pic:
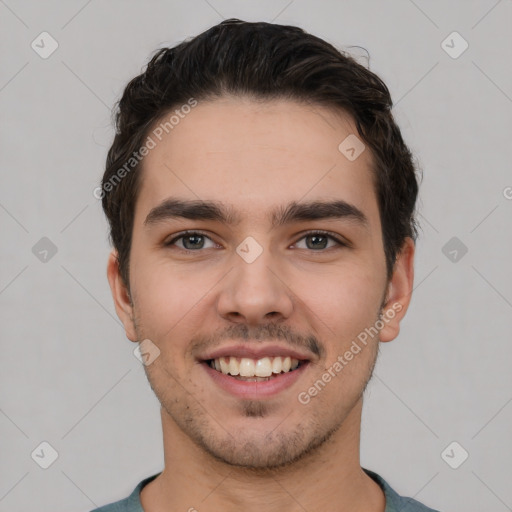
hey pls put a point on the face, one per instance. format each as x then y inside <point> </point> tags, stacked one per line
<point>282,263</point>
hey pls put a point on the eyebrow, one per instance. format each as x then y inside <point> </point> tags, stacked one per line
<point>197,209</point>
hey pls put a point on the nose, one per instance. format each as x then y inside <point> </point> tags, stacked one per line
<point>254,293</point>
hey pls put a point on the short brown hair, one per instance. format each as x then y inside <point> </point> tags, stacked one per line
<point>263,61</point>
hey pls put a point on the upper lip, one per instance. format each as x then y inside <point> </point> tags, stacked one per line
<point>255,352</point>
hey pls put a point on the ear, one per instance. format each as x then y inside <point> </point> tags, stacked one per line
<point>399,292</point>
<point>121,296</point>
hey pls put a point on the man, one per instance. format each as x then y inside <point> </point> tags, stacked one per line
<point>261,205</point>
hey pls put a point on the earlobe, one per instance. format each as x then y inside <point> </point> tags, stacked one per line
<point>121,296</point>
<point>399,292</point>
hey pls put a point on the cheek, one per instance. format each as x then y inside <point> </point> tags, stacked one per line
<point>170,300</point>
<point>345,310</point>
<point>343,301</point>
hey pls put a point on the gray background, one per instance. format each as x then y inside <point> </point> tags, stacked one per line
<point>68,374</point>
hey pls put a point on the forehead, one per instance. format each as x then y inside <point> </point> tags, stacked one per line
<point>251,154</point>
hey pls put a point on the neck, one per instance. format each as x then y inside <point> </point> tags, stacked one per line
<point>192,479</point>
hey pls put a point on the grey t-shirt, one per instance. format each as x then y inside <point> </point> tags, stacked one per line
<point>394,502</point>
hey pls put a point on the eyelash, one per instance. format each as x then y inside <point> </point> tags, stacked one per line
<point>327,234</point>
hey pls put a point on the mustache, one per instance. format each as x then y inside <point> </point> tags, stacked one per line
<point>267,332</point>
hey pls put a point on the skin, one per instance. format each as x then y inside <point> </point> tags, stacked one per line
<point>227,453</point>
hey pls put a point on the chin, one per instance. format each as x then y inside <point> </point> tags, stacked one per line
<point>254,450</point>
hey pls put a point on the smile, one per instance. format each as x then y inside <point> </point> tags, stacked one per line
<point>254,370</point>
<point>247,385</point>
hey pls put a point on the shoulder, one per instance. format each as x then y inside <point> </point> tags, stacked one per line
<point>395,502</point>
<point>126,505</point>
<point>118,506</point>
<point>129,504</point>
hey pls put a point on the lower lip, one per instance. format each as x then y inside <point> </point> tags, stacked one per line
<point>255,390</point>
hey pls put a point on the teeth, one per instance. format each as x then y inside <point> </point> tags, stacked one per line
<point>234,368</point>
<point>246,367</point>
<point>263,367</point>
<point>224,365</point>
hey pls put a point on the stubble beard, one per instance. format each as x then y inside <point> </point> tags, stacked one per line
<point>276,450</point>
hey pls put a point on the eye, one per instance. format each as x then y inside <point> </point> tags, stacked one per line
<point>318,240</point>
<point>191,241</point>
